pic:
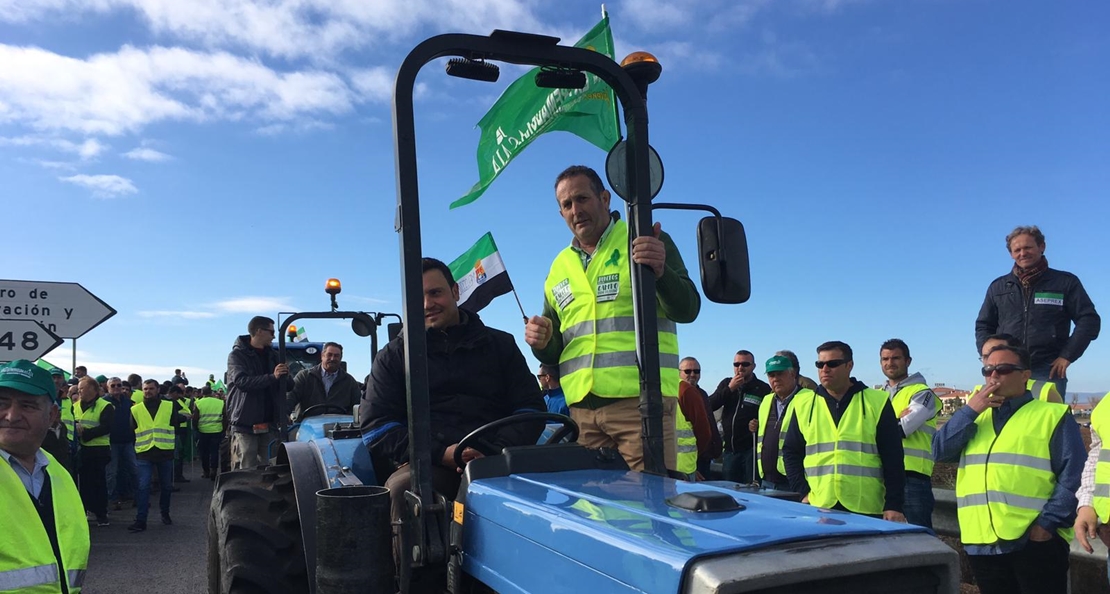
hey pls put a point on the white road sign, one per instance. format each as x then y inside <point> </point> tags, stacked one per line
<point>25,339</point>
<point>66,309</point>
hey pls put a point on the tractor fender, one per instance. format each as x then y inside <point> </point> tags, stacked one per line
<point>309,476</point>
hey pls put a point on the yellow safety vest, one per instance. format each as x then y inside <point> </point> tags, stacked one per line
<point>186,410</point>
<point>1100,424</point>
<point>784,422</point>
<point>1040,388</point>
<point>90,418</point>
<point>136,396</point>
<point>687,447</point>
<point>1004,480</point>
<point>842,461</point>
<point>211,415</point>
<point>156,432</point>
<point>598,324</point>
<point>68,419</point>
<point>27,561</point>
<point>918,445</point>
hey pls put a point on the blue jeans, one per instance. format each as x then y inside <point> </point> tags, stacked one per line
<point>1040,372</point>
<point>165,483</point>
<point>918,507</point>
<point>123,472</point>
<point>739,467</point>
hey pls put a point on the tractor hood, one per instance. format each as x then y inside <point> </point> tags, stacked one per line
<point>618,528</point>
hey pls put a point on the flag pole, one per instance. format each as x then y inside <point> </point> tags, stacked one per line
<point>616,110</point>
<point>522,314</point>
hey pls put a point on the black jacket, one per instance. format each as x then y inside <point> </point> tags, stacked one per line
<point>741,406</point>
<point>1040,317</point>
<point>253,394</point>
<point>888,440</point>
<point>476,375</point>
<point>308,390</point>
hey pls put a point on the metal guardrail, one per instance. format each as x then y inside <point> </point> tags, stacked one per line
<point>1088,570</point>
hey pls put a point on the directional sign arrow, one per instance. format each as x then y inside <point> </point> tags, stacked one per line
<point>25,339</point>
<point>66,309</point>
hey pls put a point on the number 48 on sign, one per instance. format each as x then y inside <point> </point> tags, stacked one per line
<point>25,339</point>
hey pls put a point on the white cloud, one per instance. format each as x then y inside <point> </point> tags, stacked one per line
<point>147,154</point>
<point>253,304</point>
<point>185,315</point>
<point>88,149</point>
<point>121,92</point>
<point>317,29</point>
<point>103,186</point>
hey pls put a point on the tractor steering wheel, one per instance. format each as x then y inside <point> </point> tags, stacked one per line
<point>476,438</point>
<point>324,407</point>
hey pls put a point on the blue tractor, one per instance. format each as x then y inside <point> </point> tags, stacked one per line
<point>556,517</point>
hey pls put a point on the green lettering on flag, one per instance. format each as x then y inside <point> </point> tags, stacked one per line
<point>525,111</point>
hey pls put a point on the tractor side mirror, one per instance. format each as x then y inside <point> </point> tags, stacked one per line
<point>723,260</point>
<point>363,325</point>
<point>393,330</point>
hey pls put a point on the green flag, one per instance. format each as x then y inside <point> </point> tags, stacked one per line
<point>525,111</point>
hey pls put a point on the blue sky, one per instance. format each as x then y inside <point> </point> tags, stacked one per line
<point>194,164</point>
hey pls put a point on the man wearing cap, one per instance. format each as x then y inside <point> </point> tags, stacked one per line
<point>123,470</point>
<point>94,426</point>
<point>774,414</point>
<point>843,448</point>
<point>44,538</point>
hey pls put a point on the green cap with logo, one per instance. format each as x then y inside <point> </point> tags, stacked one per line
<point>26,377</point>
<point>778,363</point>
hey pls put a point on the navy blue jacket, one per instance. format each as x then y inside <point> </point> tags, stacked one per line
<point>122,432</point>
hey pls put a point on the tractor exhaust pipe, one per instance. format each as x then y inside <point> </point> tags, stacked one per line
<point>354,550</point>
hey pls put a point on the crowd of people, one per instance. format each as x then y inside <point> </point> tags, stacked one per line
<point>834,441</point>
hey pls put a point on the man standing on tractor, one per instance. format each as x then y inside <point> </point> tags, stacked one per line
<point>253,378</point>
<point>587,326</point>
<point>476,375</point>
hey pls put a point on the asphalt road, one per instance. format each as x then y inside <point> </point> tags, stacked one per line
<point>162,560</point>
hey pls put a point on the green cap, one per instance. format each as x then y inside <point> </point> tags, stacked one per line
<point>26,377</point>
<point>778,363</point>
<point>100,379</point>
<point>56,371</point>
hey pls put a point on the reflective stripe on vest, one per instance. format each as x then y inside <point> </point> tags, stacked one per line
<point>598,328</point>
<point>1100,424</point>
<point>211,415</point>
<point>28,564</point>
<point>89,419</point>
<point>842,462</point>
<point>784,422</point>
<point>917,446</point>
<point>1004,480</point>
<point>687,447</point>
<point>153,432</point>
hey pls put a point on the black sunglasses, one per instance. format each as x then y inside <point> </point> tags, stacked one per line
<point>691,371</point>
<point>832,363</point>
<point>744,364</point>
<point>1002,369</point>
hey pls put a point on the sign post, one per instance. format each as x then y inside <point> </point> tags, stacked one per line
<point>66,309</point>
<point>25,339</point>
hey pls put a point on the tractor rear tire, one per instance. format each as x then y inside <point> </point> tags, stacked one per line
<point>254,534</point>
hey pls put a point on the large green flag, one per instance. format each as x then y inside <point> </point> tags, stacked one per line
<point>525,111</point>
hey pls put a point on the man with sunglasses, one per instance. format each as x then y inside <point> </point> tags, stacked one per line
<point>740,397</point>
<point>1041,389</point>
<point>1038,305</point>
<point>553,396</point>
<point>254,394</point>
<point>843,449</point>
<point>1020,464</point>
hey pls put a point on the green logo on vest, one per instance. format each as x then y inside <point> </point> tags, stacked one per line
<point>615,258</point>
<point>608,286</point>
<point>561,293</point>
<point>1048,299</point>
